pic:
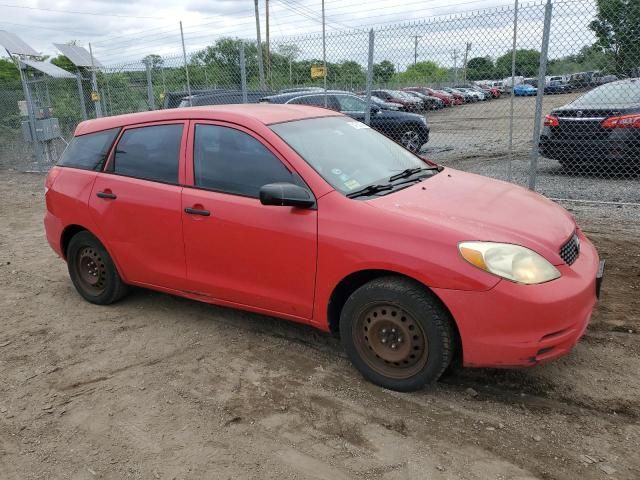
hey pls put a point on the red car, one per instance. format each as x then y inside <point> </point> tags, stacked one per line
<point>306,214</point>
<point>447,98</point>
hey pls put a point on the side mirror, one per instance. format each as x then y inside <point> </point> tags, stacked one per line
<point>374,109</point>
<point>286,195</point>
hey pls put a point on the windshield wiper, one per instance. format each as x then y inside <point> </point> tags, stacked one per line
<point>369,190</point>
<point>409,172</point>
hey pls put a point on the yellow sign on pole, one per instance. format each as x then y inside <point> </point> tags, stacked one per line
<point>95,96</point>
<point>318,72</point>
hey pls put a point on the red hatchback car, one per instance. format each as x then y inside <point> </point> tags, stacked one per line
<point>305,214</point>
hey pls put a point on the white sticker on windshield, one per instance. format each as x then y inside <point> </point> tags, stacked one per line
<point>358,125</point>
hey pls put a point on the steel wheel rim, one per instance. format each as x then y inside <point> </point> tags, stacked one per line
<point>91,270</point>
<point>410,140</point>
<point>390,341</point>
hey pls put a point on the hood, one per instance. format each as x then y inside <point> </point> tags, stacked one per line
<point>472,207</point>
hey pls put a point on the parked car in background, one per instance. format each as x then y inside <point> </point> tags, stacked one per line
<point>477,93</point>
<point>227,97</point>
<point>447,98</point>
<point>303,213</point>
<point>381,103</point>
<point>602,79</point>
<point>557,86</point>
<point>301,89</point>
<point>494,92</point>
<point>429,102</point>
<point>600,129</point>
<point>524,89</point>
<point>408,129</point>
<point>460,96</point>
<point>582,79</point>
<point>409,104</point>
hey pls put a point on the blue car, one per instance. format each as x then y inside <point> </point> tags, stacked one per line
<point>525,89</point>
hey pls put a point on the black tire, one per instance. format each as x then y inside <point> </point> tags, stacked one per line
<point>386,310</point>
<point>92,271</point>
<point>412,138</point>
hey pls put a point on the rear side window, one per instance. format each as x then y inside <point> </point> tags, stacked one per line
<point>89,151</point>
<point>151,153</point>
<point>230,161</point>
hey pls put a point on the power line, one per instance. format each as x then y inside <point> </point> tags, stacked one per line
<point>75,12</point>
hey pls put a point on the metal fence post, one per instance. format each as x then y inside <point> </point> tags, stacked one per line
<point>94,86</point>
<point>150,99</point>
<point>243,73</point>
<point>512,96</point>
<point>367,113</point>
<point>186,67</point>
<point>533,167</point>
<point>37,146</point>
<point>83,106</point>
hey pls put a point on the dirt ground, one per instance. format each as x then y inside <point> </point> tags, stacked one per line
<point>158,387</point>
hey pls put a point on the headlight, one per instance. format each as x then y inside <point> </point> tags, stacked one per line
<point>513,262</point>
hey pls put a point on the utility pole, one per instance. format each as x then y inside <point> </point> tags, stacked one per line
<point>260,67</point>
<point>268,62</point>
<point>455,65</point>
<point>415,49</point>
<point>464,68</point>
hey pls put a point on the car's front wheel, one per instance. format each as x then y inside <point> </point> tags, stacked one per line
<point>397,334</point>
<point>412,139</point>
<point>92,270</point>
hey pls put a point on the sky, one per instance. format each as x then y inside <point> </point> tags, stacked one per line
<point>122,31</point>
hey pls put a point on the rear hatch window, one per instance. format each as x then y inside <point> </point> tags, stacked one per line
<point>90,151</point>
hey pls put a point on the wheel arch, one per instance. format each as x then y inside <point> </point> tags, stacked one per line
<point>68,233</point>
<point>73,229</point>
<point>349,284</point>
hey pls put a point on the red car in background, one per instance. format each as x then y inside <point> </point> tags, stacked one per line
<point>447,98</point>
<point>306,214</point>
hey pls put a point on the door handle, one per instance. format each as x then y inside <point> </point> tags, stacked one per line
<point>197,211</point>
<point>109,195</point>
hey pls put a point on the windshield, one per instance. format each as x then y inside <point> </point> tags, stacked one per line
<point>346,153</point>
<point>619,94</point>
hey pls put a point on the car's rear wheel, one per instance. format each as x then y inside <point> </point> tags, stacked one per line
<point>92,270</point>
<point>397,334</point>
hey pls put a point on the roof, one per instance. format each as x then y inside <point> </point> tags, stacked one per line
<point>248,115</point>
<point>285,97</point>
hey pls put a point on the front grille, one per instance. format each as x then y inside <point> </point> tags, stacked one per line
<point>569,251</point>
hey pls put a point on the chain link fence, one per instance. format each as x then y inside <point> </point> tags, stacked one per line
<point>543,94</point>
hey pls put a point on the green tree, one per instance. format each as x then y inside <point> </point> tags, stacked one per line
<point>617,29</point>
<point>8,71</point>
<point>480,68</point>
<point>422,72</point>
<point>154,60</point>
<point>64,63</point>
<point>383,72</point>
<point>527,63</point>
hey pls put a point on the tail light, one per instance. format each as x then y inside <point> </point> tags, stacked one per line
<point>551,121</point>
<point>622,121</point>
<point>51,177</point>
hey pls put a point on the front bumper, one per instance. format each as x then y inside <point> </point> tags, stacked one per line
<point>515,325</point>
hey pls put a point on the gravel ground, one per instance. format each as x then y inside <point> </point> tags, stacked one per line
<point>158,387</point>
<point>475,138</point>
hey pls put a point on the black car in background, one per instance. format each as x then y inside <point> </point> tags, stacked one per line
<point>221,97</point>
<point>557,86</point>
<point>408,129</point>
<point>599,129</point>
